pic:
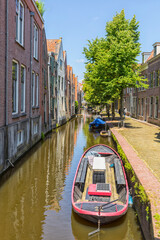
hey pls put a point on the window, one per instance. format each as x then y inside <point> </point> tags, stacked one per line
<point>62,84</point>
<point>37,90</point>
<point>62,103</point>
<point>142,107</point>
<point>139,108</point>
<point>14,87</point>
<point>35,128</point>
<point>19,22</point>
<point>151,106</point>
<point>156,78</point>
<point>45,83</point>
<point>33,89</point>
<point>22,89</point>
<point>19,137</point>
<point>59,82</point>
<point>60,64</point>
<point>156,108</point>
<point>35,42</point>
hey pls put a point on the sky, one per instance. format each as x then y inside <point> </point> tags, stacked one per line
<point>78,21</point>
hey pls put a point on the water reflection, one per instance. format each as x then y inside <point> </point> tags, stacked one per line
<point>35,202</point>
<point>125,228</point>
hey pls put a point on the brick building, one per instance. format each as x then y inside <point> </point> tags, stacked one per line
<point>56,46</point>
<point>144,104</point>
<point>21,79</point>
<point>52,87</point>
<point>44,93</point>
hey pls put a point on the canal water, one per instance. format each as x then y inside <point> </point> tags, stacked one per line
<point>35,201</point>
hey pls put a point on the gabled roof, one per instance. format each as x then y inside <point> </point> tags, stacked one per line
<point>69,72</point>
<point>64,54</point>
<point>53,45</point>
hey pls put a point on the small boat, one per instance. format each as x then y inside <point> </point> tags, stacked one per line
<point>100,189</point>
<point>98,123</point>
<point>104,133</point>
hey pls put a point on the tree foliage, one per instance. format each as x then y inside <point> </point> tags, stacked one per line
<point>76,107</point>
<point>40,6</point>
<point>111,61</point>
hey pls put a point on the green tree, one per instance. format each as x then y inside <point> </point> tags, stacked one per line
<point>76,107</point>
<point>111,61</point>
<point>40,6</point>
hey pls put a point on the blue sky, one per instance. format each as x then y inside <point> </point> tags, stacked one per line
<point>79,21</point>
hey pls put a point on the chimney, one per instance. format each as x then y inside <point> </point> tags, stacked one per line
<point>145,56</point>
<point>156,47</point>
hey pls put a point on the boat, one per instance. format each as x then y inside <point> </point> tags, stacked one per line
<point>104,133</point>
<point>100,189</point>
<point>97,123</point>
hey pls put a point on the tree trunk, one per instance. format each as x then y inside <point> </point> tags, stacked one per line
<point>107,111</point>
<point>113,111</point>
<point>121,104</point>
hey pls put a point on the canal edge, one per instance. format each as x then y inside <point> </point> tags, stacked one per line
<point>144,186</point>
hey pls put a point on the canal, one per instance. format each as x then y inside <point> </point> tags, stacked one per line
<point>35,201</point>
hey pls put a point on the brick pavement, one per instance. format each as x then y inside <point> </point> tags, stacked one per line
<point>145,176</point>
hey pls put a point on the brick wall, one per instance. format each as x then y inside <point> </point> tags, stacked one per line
<point>2,64</point>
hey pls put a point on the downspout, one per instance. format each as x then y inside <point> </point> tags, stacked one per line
<point>31,47</point>
<point>6,86</point>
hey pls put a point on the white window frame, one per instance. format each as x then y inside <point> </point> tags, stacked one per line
<point>37,90</point>
<point>35,128</point>
<point>23,87</point>
<point>20,136</point>
<point>35,41</point>
<point>15,98</point>
<point>33,89</point>
<point>19,32</point>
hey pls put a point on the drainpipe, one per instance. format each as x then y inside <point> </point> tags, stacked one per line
<point>6,86</point>
<point>31,57</point>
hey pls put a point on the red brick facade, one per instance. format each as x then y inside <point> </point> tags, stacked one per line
<point>144,104</point>
<point>24,58</point>
<point>2,63</point>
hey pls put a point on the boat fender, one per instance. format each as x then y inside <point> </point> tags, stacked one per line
<point>130,200</point>
<point>112,165</point>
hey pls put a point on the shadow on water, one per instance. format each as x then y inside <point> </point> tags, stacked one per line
<point>35,201</point>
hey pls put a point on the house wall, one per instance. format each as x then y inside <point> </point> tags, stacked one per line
<point>146,94</point>
<point>2,82</point>
<point>61,87</point>
<point>44,86</point>
<point>23,55</point>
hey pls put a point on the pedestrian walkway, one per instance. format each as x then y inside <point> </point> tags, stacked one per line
<point>141,144</point>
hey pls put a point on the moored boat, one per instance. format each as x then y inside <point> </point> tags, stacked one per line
<point>97,123</point>
<point>104,133</point>
<point>100,188</point>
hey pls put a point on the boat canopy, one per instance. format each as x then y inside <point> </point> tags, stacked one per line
<point>97,122</point>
